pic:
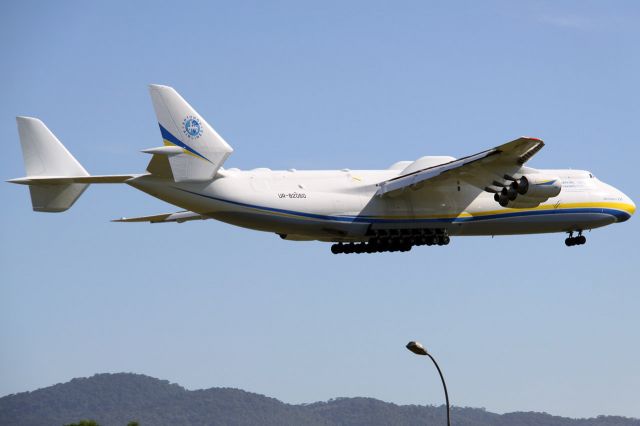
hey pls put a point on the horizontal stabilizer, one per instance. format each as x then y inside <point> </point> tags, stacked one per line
<point>179,217</point>
<point>62,180</point>
<point>55,178</point>
<point>164,150</point>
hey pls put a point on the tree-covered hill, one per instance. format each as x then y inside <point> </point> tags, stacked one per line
<point>117,399</point>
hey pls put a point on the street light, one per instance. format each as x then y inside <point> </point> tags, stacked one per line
<point>418,349</point>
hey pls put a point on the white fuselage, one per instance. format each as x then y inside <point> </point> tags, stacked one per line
<point>342,205</point>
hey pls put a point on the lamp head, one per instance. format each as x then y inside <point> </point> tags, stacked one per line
<point>416,348</point>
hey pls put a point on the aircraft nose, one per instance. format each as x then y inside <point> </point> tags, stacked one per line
<point>629,208</point>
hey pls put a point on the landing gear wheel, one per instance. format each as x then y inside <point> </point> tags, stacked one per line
<point>575,241</point>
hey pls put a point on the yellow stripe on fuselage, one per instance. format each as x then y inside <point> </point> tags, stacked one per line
<point>629,208</point>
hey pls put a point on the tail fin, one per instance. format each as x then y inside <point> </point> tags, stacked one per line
<point>44,155</point>
<point>203,149</point>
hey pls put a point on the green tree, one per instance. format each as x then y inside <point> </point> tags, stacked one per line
<point>84,423</point>
<point>133,423</point>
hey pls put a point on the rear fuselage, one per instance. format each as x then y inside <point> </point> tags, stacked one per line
<point>342,205</point>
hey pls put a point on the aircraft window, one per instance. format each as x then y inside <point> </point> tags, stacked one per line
<point>590,175</point>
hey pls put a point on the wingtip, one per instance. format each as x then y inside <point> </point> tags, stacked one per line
<point>533,139</point>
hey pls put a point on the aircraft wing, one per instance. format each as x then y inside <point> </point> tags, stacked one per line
<point>182,216</point>
<point>486,170</point>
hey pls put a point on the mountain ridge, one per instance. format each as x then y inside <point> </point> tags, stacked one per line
<point>117,398</point>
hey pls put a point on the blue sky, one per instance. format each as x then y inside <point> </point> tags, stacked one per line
<point>517,323</point>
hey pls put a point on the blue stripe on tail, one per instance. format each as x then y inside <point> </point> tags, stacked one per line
<point>169,137</point>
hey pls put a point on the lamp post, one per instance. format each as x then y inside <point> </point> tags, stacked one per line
<point>418,349</point>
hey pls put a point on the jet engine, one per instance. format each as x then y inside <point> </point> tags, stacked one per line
<point>529,190</point>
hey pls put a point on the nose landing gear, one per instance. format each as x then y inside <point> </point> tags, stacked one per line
<point>575,241</point>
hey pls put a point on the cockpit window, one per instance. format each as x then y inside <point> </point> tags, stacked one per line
<point>590,175</point>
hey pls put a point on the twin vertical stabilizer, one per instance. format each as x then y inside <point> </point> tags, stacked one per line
<point>192,152</point>
<point>203,151</point>
<point>45,156</point>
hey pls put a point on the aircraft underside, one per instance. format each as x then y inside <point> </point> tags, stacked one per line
<point>367,237</point>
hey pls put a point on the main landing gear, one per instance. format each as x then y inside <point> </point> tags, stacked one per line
<point>575,241</point>
<point>402,240</point>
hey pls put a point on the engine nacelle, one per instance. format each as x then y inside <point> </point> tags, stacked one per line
<point>538,186</point>
<point>524,202</point>
<point>529,191</point>
<point>502,197</point>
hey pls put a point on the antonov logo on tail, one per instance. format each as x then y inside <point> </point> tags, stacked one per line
<point>409,204</point>
<point>192,127</point>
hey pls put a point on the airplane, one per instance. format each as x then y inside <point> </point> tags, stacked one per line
<point>411,203</point>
